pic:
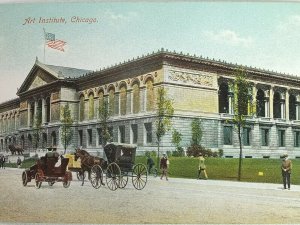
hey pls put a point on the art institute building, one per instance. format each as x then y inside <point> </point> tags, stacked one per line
<point>199,89</point>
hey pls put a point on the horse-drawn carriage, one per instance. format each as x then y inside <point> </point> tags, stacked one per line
<point>120,165</point>
<point>45,170</point>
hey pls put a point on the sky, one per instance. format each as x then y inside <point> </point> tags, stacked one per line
<point>259,34</point>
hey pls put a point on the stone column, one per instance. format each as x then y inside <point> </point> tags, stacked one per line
<point>143,99</point>
<point>131,101</point>
<point>271,101</point>
<point>29,114</point>
<point>254,94</point>
<point>230,103</point>
<point>43,111</point>
<point>287,105</point>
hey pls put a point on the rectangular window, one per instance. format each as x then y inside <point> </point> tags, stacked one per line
<point>281,138</point>
<point>122,134</point>
<point>90,137</point>
<point>246,136</point>
<point>134,133</point>
<point>265,137</point>
<point>227,135</point>
<point>296,138</point>
<point>148,132</point>
<point>99,134</point>
<point>80,137</point>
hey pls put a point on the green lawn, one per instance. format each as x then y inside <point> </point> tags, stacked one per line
<point>220,168</point>
<point>227,169</point>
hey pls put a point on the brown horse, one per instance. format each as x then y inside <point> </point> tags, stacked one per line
<point>88,161</point>
<point>15,149</point>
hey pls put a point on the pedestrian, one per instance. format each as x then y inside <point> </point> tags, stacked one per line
<point>19,162</point>
<point>202,167</point>
<point>286,169</point>
<point>164,164</point>
<point>3,162</point>
<point>150,163</point>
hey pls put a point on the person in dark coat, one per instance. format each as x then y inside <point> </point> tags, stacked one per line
<point>164,164</point>
<point>150,163</point>
<point>19,161</point>
<point>286,169</point>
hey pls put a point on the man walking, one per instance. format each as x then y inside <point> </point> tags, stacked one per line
<point>286,169</point>
<point>164,163</point>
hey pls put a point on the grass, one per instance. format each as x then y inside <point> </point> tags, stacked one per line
<point>218,168</point>
<point>227,169</point>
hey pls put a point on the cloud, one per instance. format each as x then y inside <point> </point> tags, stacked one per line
<point>228,37</point>
<point>119,17</point>
<point>290,26</point>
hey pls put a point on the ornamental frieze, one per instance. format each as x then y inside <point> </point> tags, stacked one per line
<point>202,79</point>
<point>23,105</point>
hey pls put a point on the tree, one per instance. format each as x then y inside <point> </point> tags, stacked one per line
<point>37,128</point>
<point>176,139</point>
<point>164,115</point>
<point>104,115</point>
<point>196,132</point>
<point>243,106</point>
<point>66,120</point>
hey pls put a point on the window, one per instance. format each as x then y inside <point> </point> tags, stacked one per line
<point>81,108</point>
<point>122,134</point>
<point>123,100</point>
<point>281,138</point>
<point>111,133</point>
<point>112,101</point>
<point>265,137</point>
<point>227,135</point>
<point>134,133</point>
<point>246,136</point>
<point>100,140</point>
<point>80,138</point>
<point>148,132</point>
<point>91,106</point>
<point>136,98</point>
<point>53,136</point>
<point>296,138</point>
<point>90,137</point>
<point>150,95</point>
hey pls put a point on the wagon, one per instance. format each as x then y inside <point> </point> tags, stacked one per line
<point>44,170</point>
<point>74,165</point>
<point>121,166</point>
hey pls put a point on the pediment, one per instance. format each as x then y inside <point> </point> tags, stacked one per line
<point>41,78</point>
<point>37,77</point>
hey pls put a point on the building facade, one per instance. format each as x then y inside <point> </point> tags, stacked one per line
<point>199,88</point>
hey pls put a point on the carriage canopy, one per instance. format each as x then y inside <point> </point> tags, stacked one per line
<point>120,153</point>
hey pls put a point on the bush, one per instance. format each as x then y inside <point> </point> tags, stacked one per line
<point>178,153</point>
<point>151,154</point>
<point>221,153</point>
<point>195,150</point>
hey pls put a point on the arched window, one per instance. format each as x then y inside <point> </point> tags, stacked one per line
<point>53,138</point>
<point>260,103</point>
<point>123,100</point>
<point>101,99</point>
<point>150,95</point>
<point>91,106</point>
<point>292,107</point>
<point>111,94</point>
<point>276,105</point>
<point>136,98</point>
<point>81,108</point>
<point>223,98</point>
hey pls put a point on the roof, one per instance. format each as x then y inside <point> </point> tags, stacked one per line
<point>67,72</point>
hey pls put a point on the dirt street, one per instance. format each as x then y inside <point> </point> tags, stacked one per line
<point>173,201</point>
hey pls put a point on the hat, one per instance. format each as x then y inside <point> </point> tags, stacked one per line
<point>285,155</point>
<point>164,153</point>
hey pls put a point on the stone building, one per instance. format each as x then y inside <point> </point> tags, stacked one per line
<point>199,89</point>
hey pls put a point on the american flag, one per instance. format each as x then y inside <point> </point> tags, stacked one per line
<point>53,43</point>
<point>57,44</point>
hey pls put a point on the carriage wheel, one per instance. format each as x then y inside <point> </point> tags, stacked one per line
<point>139,176</point>
<point>96,176</point>
<point>113,174</point>
<point>123,180</point>
<point>24,178</point>
<point>66,183</point>
<point>38,183</point>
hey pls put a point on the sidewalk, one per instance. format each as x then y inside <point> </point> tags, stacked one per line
<point>226,183</point>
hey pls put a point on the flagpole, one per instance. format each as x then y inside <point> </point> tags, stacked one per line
<point>44,45</point>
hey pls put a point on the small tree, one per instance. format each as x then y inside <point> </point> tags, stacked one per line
<point>243,106</point>
<point>104,115</point>
<point>176,139</point>
<point>164,115</point>
<point>196,132</point>
<point>66,120</point>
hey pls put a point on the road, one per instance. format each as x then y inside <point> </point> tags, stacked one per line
<point>174,201</point>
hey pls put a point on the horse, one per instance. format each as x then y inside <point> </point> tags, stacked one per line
<point>15,149</point>
<point>88,161</point>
